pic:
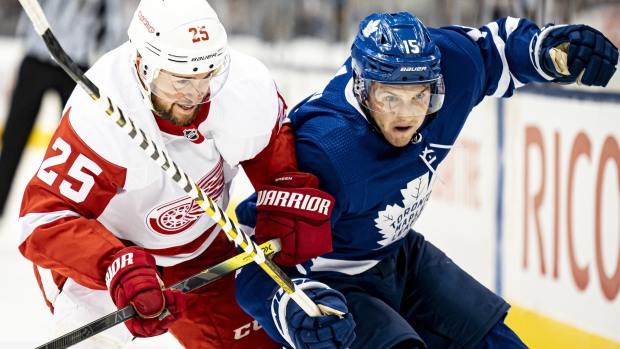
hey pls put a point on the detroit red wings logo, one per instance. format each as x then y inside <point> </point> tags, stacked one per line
<point>179,215</point>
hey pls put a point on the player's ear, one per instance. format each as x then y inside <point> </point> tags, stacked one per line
<point>137,61</point>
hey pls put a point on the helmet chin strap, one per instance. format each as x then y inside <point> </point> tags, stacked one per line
<point>142,85</point>
<point>357,91</point>
<point>372,121</point>
<point>417,136</point>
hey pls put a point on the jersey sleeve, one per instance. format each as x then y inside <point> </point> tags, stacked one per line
<point>58,226</point>
<point>277,156</point>
<point>249,125</point>
<point>317,162</point>
<point>255,290</point>
<point>503,47</point>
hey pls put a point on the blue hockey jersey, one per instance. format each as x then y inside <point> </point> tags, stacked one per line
<point>381,190</point>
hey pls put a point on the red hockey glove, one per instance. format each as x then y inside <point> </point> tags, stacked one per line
<point>132,278</point>
<point>293,210</point>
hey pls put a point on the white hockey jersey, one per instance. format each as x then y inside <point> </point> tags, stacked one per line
<point>96,192</point>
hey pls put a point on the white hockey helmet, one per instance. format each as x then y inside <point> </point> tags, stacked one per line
<point>183,49</point>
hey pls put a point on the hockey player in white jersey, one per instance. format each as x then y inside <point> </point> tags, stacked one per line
<point>104,225</point>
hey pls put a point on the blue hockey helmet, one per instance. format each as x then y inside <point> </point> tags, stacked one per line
<point>396,49</point>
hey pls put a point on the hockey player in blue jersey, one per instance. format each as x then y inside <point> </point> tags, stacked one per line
<point>374,137</point>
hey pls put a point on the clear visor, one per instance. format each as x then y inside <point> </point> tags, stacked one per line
<point>190,89</point>
<point>404,100</point>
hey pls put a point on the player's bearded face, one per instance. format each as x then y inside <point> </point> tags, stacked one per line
<point>398,110</point>
<point>176,114</point>
<point>177,98</point>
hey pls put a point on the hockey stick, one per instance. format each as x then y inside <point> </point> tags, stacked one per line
<point>41,26</point>
<point>203,278</point>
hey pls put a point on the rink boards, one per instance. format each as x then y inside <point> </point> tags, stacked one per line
<point>534,205</point>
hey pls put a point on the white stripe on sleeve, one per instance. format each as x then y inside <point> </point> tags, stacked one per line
<point>476,33</point>
<point>342,266</point>
<point>31,221</point>
<point>504,80</point>
<point>512,24</point>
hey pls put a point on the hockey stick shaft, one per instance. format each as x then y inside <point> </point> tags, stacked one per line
<point>36,15</point>
<point>203,278</point>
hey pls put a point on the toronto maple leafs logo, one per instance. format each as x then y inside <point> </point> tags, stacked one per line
<point>395,221</point>
<point>371,27</point>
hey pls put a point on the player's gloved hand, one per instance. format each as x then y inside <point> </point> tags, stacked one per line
<point>294,210</point>
<point>325,332</point>
<point>578,53</point>
<point>132,278</point>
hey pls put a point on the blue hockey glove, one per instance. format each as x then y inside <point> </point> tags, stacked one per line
<point>325,332</point>
<point>578,53</point>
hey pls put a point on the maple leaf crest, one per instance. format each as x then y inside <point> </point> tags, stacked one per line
<point>371,27</point>
<point>395,221</point>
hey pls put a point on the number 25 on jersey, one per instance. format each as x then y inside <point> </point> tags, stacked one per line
<point>75,171</point>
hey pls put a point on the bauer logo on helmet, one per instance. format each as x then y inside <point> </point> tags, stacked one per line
<point>196,59</point>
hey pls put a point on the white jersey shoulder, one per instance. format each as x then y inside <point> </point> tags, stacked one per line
<point>245,112</point>
<point>151,210</point>
<point>114,77</point>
